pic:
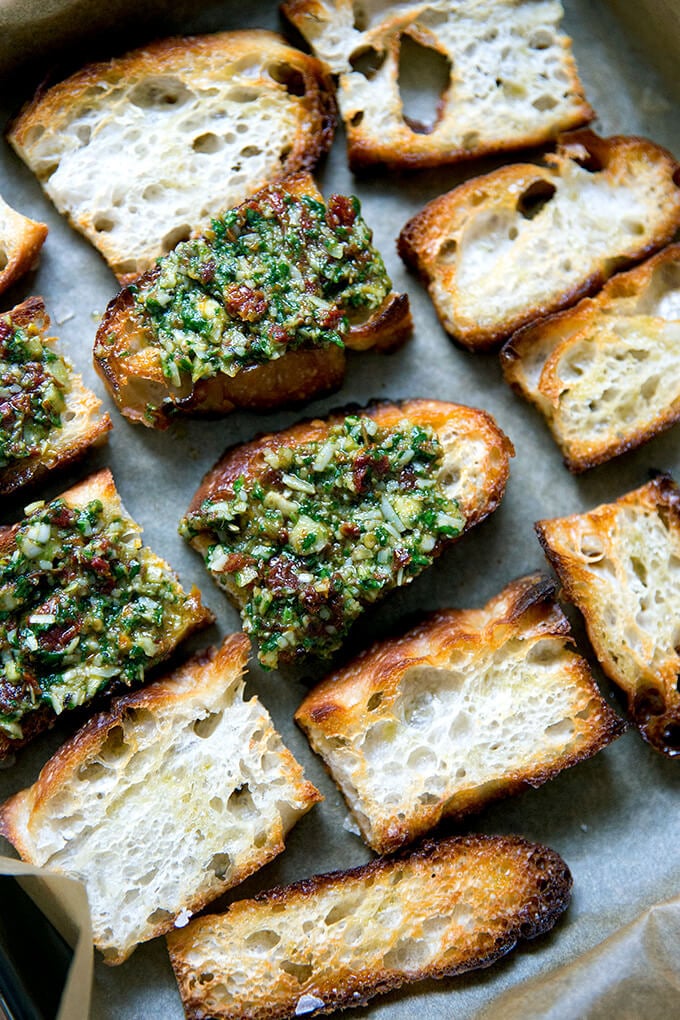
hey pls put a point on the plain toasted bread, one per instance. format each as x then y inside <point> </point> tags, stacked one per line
<point>508,76</point>
<point>620,564</point>
<point>82,424</point>
<point>606,374</point>
<point>336,940</point>
<point>469,706</point>
<point>141,150</point>
<point>527,240</point>
<point>159,805</point>
<point>188,613</point>
<point>20,242</point>
<point>473,473</point>
<point>128,351</point>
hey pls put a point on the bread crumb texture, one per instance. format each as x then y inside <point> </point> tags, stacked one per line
<point>606,374</point>
<point>504,249</point>
<point>121,147</point>
<point>178,793</point>
<point>501,76</point>
<point>336,940</point>
<point>468,706</point>
<point>620,564</point>
<point>20,242</point>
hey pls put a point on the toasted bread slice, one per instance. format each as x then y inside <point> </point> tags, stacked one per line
<point>71,417</point>
<point>20,242</point>
<point>336,940</point>
<point>276,289</point>
<point>141,150</point>
<point>306,527</point>
<point>469,706</point>
<point>158,806</point>
<point>606,374</point>
<point>85,607</point>
<point>620,564</point>
<point>508,78</point>
<point>505,249</point>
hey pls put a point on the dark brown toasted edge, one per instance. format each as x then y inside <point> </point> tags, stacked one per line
<point>531,595</point>
<point>657,723</point>
<point>87,739</point>
<point>25,255</point>
<point>584,147</point>
<point>549,873</point>
<point>197,614</point>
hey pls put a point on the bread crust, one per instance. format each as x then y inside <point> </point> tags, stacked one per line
<point>430,240</point>
<point>402,144</point>
<point>531,886</point>
<point>188,57</point>
<point>101,486</point>
<point>531,362</point>
<point>20,242</point>
<point>144,395</point>
<point>609,557</point>
<point>82,424</point>
<point>342,709</point>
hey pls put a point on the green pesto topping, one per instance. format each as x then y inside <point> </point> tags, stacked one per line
<point>326,530</point>
<point>276,274</point>
<point>33,384</point>
<point>82,604</point>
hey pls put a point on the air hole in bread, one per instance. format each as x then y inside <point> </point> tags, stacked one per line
<point>292,80</point>
<point>356,118</point>
<point>470,140</point>
<point>367,61</point>
<point>424,77</point>
<point>103,223</point>
<point>541,39</point>
<point>374,701</point>
<point>408,954</point>
<point>359,17</point>
<point>4,259</point>
<point>591,548</point>
<point>114,746</point>
<point>428,798</point>
<point>251,150</point>
<point>461,772</point>
<point>262,941</point>
<point>216,803</point>
<point>163,92</point>
<point>33,135</point>
<point>83,133</point>
<point>300,971</point>
<point>345,908</point>
<point>207,143</point>
<point>448,251</point>
<point>561,730</point>
<point>174,236</point>
<point>243,95</point>
<point>566,265</point>
<point>91,771</point>
<point>206,727</point>
<point>533,200</point>
<point>219,864</point>
<point>241,802</point>
<point>544,102</point>
<point>159,916</point>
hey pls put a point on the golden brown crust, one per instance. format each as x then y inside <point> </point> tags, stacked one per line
<point>339,708</point>
<point>20,242</point>
<point>195,615</point>
<point>424,238</point>
<point>575,546</point>
<point>554,335</point>
<point>130,365</point>
<point>511,890</point>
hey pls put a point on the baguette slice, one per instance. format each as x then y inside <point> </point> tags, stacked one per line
<point>158,806</point>
<point>335,940</point>
<point>508,78</point>
<point>296,600</point>
<point>505,249</point>
<point>620,564</point>
<point>469,706</point>
<point>606,374</point>
<point>138,151</point>
<point>20,242</point>
<point>74,624</point>
<point>81,423</point>
<point>137,354</point>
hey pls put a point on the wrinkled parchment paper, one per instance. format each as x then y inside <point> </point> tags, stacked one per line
<point>615,818</point>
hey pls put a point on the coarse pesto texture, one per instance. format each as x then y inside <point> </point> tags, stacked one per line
<point>34,381</point>
<point>326,529</point>
<point>275,274</point>
<point>82,604</point>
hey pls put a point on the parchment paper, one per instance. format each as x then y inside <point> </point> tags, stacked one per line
<point>614,818</point>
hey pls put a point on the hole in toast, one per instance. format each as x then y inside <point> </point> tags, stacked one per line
<point>103,223</point>
<point>262,941</point>
<point>359,17</point>
<point>3,258</point>
<point>423,78</point>
<point>83,133</point>
<point>159,916</point>
<point>541,39</point>
<point>448,251</point>
<point>174,236</point>
<point>300,971</point>
<point>561,730</point>
<point>33,135</point>
<point>163,92</point>
<point>291,79</point>
<point>374,701</point>
<point>470,140</point>
<point>535,198</point>
<point>544,102</point>
<point>206,727</point>
<point>207,143</point>
<point>219,864</point>
<point>356,118</point>
<point>367,61</point>
<point>241,803</point>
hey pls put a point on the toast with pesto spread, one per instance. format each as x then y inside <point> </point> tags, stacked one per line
<point>305,528</point>
<point>48,418</point>
<point>84,608</point>
<point>255,313</point>
<point>620,565</point>
<point>506,75</point>
<point>469,706</point>
<point>177,793</point>
<point>20,242</point>
<point>606,374</point>
<point>507,248</point>
<point>141,150</point>
<point>336,940</point>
